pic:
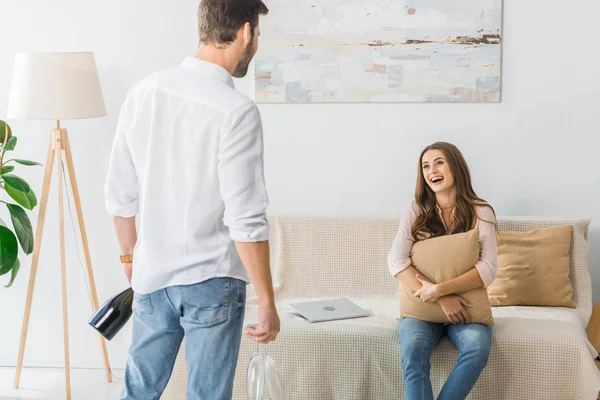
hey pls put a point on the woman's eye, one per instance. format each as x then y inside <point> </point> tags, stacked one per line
<point>425,166</point>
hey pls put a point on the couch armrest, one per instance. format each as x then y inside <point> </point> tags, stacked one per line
<point>593,329</point>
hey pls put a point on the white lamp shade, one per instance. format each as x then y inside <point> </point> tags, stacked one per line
<point>55,86</point>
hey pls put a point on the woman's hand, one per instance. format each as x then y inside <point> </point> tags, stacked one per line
<point>429,292</point>
<point>454,307</point>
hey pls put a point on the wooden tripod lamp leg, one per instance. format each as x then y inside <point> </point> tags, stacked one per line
<point>63,263</point>
<point>36,254</point>
<point>84,240</point>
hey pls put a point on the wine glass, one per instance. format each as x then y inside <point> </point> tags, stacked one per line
<point>255,378</point>
<point>262,374</point>
<point>273,380</point>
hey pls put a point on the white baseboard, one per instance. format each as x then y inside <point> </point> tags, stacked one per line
<point>59,366</point>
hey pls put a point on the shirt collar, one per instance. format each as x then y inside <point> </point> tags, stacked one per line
<point>208,68</point>
<point>439,210</point>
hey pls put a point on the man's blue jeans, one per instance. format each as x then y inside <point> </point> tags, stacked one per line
<point>211,315</point>
<point>417,341</point>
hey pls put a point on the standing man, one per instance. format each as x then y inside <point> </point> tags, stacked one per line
<point>187,160</point>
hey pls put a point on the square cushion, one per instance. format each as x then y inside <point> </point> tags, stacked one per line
<point>441,259</point>
<point>533,268</point>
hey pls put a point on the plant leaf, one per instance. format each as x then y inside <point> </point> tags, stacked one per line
<point>22,226</point>
<point>16,183</point>
<point>12,142</point>
<point>20,191</point>
<point>4,129</point>
<point>9,250</point>
<point>6,169</point>
<point>13,273</point>
<point>27,200</point>
<point>27,162</point>
<point>32,199</point>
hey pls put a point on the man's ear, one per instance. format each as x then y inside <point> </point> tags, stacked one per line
<point>246,33</point>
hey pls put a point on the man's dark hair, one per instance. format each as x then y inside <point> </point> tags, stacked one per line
<point>219,20</point>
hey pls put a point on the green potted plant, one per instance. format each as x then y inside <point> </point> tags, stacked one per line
<point>20,192</point>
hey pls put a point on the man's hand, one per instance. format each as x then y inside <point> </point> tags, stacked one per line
<point>255,256</point>
<point>268,325</point>
<point>429,293</point>
<point>454,307</point>
<point>128,268</point>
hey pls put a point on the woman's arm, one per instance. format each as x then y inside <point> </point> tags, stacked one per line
<point>431,292</point>
<point>399,262</point>
<point>399,255</point>
<point>468,281</point>
<point>488,251</point>
<point>408,279</point>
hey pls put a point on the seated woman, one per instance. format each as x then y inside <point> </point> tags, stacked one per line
<point>445,203</point>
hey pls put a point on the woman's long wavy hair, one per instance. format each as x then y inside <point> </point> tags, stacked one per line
<point>429,223</point>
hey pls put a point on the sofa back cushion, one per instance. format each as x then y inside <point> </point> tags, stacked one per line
<point>327,257</point>
<point>346,256</point>
<point>533,268</point>
<point>439,260</point>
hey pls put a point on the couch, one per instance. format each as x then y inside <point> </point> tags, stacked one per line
<point>537,352</point>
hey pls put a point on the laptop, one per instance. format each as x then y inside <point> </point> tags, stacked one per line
<point>327,310</point>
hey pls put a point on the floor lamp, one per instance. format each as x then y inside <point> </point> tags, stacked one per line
<point>57,86</point>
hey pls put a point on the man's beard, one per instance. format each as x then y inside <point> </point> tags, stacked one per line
<point>241,69</point>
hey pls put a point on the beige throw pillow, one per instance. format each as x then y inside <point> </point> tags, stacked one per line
<point>533,268</point>
<point>439,260</point>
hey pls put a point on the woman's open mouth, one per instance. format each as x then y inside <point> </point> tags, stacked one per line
<point>437,180</point>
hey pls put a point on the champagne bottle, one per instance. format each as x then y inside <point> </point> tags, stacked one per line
<point>113,315</point>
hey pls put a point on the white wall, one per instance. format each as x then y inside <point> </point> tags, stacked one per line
<point>533,154</point>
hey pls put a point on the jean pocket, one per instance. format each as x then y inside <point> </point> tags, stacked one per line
<point>241,292</point>
<point>142,304</point>
<point>206,303</point>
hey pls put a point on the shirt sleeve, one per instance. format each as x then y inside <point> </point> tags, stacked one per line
<point>399,255</point>
<point>241,175</point>
<point>121,186</point>
<point>488,255</point>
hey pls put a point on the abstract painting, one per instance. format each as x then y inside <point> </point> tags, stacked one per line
<point>347,51</point>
